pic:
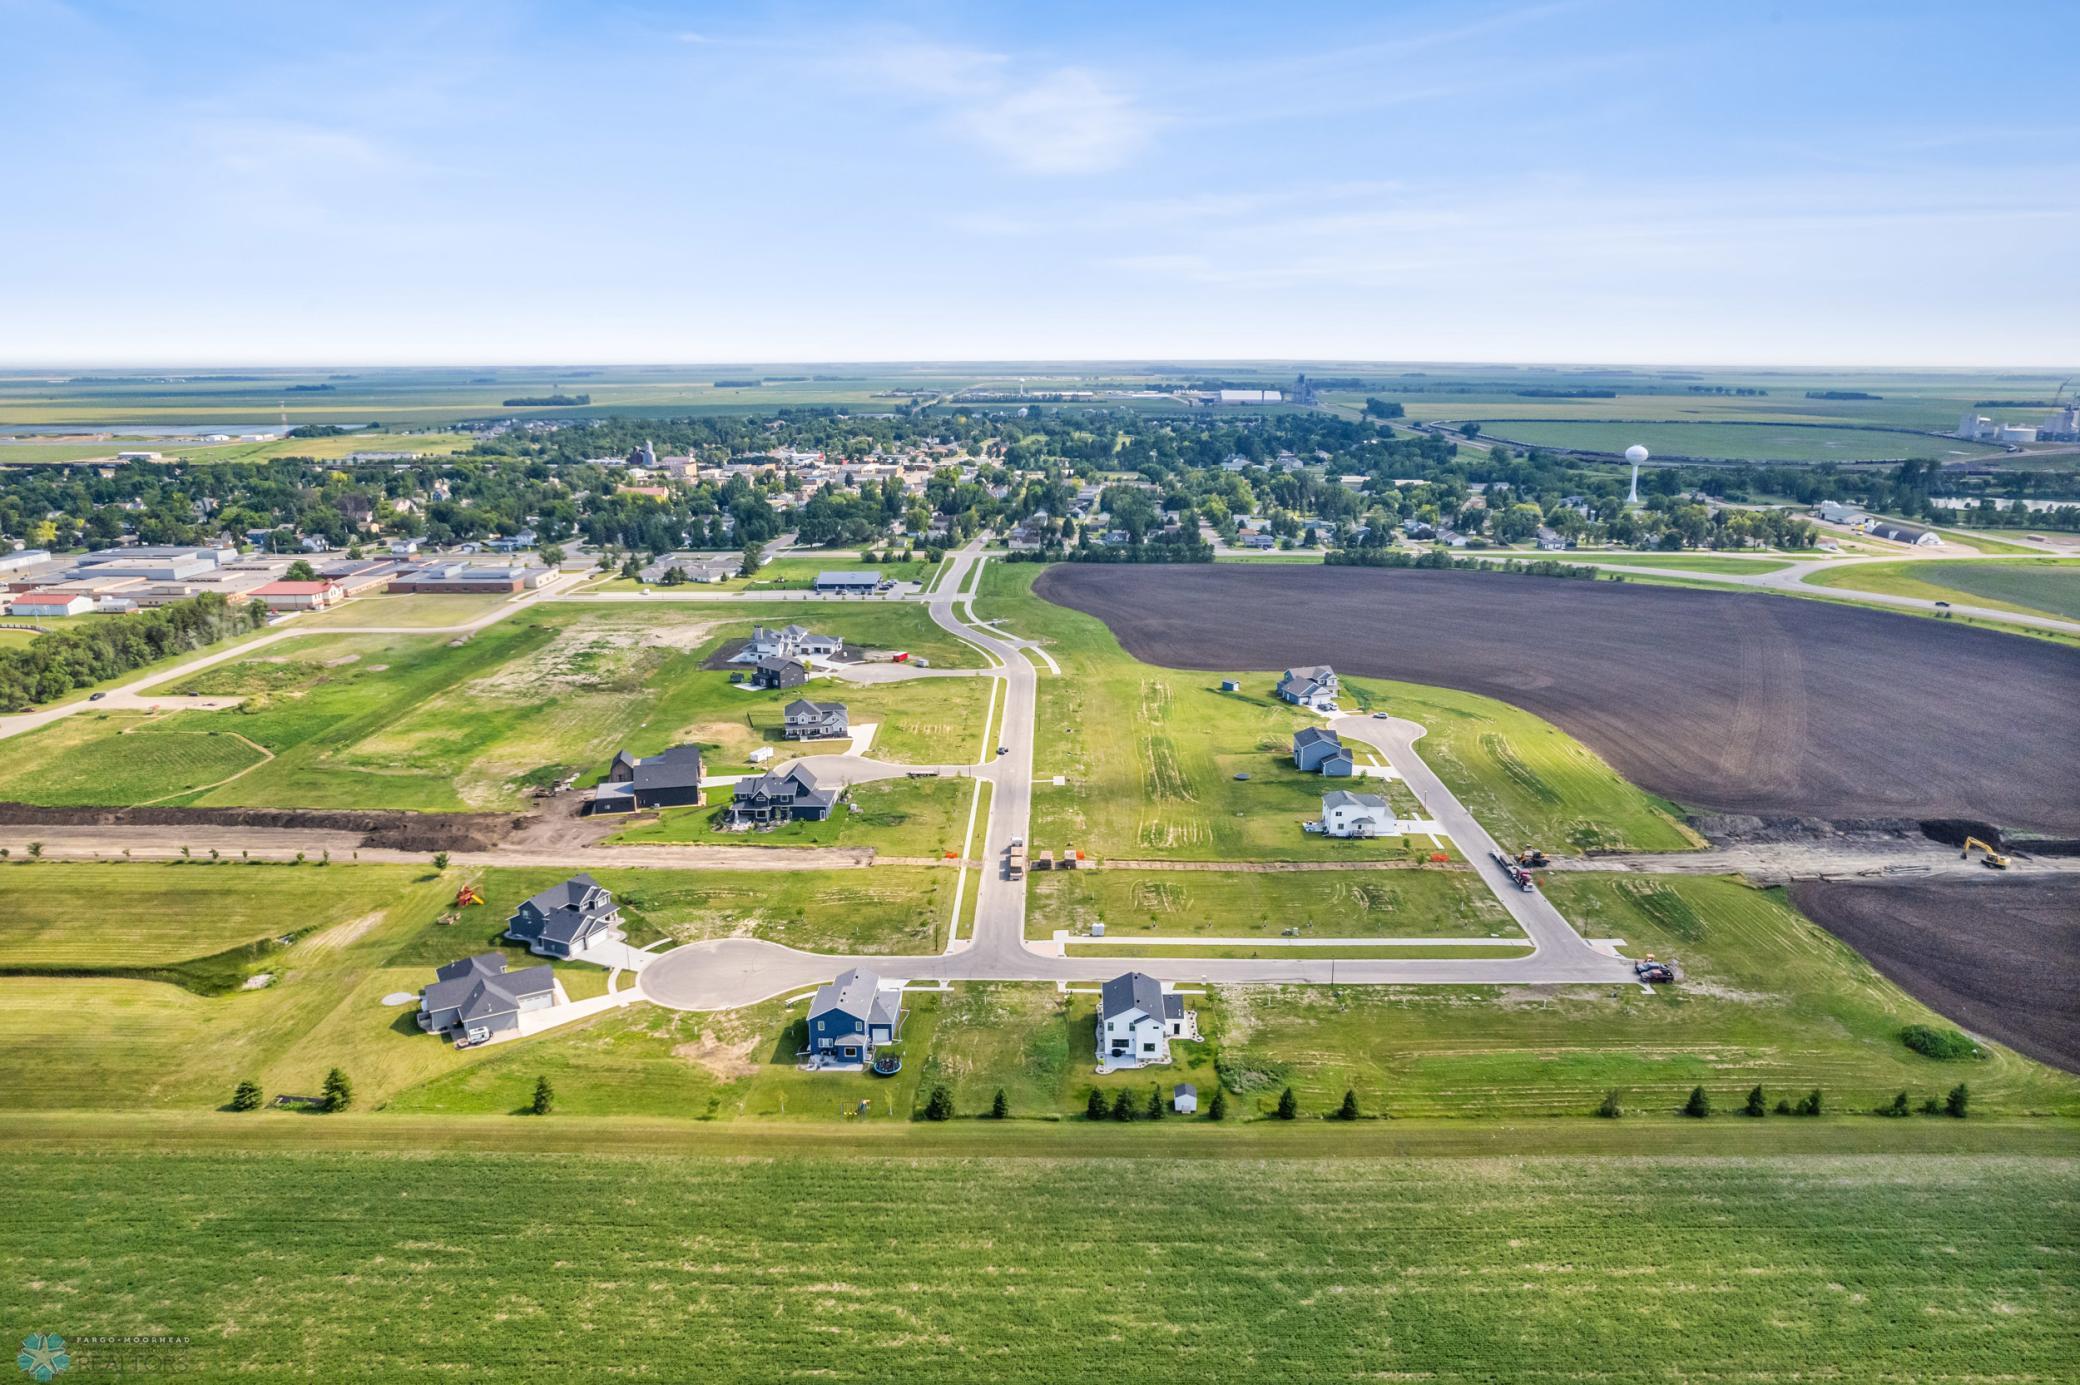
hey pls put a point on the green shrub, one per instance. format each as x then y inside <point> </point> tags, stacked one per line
<point>1943,1045</point>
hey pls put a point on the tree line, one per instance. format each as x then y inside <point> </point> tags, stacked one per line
<point>64,660</point>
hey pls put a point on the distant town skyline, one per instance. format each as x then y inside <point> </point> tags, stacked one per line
<point>1579,182</point>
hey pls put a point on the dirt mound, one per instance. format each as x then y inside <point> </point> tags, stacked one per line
<point>2000,957</point>
<point>398,830</point>
<point>1730,702</point>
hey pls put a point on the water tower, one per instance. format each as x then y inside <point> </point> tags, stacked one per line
<point>1635,454</point>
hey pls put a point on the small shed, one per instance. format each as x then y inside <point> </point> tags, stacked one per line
<point>1069,861</point>
<point>1043,861</point>
<point>1230,685</point>
<point>1185,1099</point>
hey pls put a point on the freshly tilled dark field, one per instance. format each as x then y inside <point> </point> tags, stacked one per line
<point>1726,701</point>
<point>2001,957</point>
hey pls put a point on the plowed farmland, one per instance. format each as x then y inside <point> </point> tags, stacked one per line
<point>1727,701</point>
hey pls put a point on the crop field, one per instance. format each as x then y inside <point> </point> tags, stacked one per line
<point>944,1268</point>
<point>2045,586</point>
<point>898,817</point>
<point>428,723</point>
<point>120,984</point>
<point>1736,702</point>
<point>1422,903</point>
<point>1150,756</point>
<point>1717,441</point>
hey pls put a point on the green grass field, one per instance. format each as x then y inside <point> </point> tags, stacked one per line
<point>1241,904</point>
<point>1150,756</point>
<point>1684,562</point>
<point>1729,441</point>
<point>793,1264</point>
<point>2042,586</point>
<point>898,817</point>
<point>425,722</point>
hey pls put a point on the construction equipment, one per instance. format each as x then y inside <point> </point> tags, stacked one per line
<point>1516,873</point>
<point>1654,973</point>
<point>467,895</point>
<point>1994,859</point>
<point>1534,859</point>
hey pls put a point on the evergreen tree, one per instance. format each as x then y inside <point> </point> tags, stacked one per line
<point>999,1107</point>
<point>939,1105</point>
<point>1810,1105</point>
<point>1610,1110</point>
<point>544,1097</point>
<point>1899,1106</point>
<point>1960,1097</point>
<point>1155,1102</point>
<point>1931,1107</point>
<point>1699,1105</point>
<point>1122,1106</point>
<point>1755,1106</point>
<point>1349,1110</point>
<point>1288,1105</point>
<point>1783,1107</point>
<point>1217,1109</point>
<point>247,1097</point>
<point>339,1092</point>
<point>1094,1109</point>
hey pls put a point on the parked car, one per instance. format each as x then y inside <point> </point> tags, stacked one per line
<point>95,697</point>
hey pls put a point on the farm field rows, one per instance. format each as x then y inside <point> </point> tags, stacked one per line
<point>1448,1270</point>
<point>2044,586</point>
<point>1731,441</point>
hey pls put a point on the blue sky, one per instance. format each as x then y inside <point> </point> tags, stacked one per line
<point>1832,183</point>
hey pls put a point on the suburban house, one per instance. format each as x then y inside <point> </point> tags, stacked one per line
<point>853,1015</point>
<point>847,583</point>
<point>1316,748</point>
<point>1310,687</point>
<point>1137,1019</point>
<point>815,721</point>
<point>565,920</point>
<point>1184,1099</point>
<point>782,795</point>
<point>1549,540</point>
<point>297,596</point>
<point>779,673</point>
<point>477,999</point>
<point>787,642</point>
<point>1347,814</point>
<point>670,779</point>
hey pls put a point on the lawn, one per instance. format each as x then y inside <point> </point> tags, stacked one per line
<point>505,1265</point>
<point>1423,903</point>
<point>429,723</point>
<point>1150,756</point>
<point>420,611</point>
<point>792,572</point>
<point>1767,998</point>
<point>897,817</point>
<point>98,1036</point>
<point>2043,586</point>
<point>1682,562</point>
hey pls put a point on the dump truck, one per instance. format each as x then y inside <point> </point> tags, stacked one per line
<point>1994,859</point>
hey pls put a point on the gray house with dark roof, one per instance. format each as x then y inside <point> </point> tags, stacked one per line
<point>852,1016</point>
<point>779,673</point>
<point>781,795</point>
<point>670,779</point>
<point>565,920</point>
<point>1313,686</point>
<point>1137,1019</point>
<point>848,583</point>
<point>477,999</point>
<point>1318,749</point>
<point>815,721</point>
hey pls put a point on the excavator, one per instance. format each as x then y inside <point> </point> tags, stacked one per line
<point>1994,859</point>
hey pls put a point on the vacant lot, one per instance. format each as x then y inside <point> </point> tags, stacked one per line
<point>2043,585</point>
<point>1932,1268</point>
<point>1743,703</point>
<point>898,817</point>
<point>1422,903</point>
<point>2000,957</point>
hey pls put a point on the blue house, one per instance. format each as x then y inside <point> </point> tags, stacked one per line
<point>565,920</point>
<point>852,1015</point>
<point>1317,749</point>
